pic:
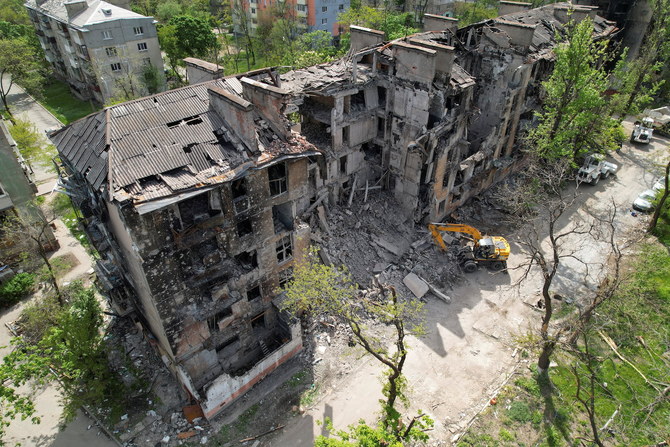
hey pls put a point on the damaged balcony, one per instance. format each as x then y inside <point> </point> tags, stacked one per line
<point>239,369</point>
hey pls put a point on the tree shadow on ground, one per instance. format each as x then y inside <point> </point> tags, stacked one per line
<point>554,418</point>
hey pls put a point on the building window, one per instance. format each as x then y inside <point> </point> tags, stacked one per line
<point>277,175</point>
<point>324,9</point>
<point>341,7</point>
<point>301,8</point>
<point>213,321</point>
<point>284,249</point>
<point>111,51</point>
<point>244,227</point>
<point>116,66</point>
<point>285,277</point>
<point>106,35</point>
<point>253,293</point>
<point>324,21</point>
<point>142,46</point>
<point>253,10</point>
<point>139,31</point>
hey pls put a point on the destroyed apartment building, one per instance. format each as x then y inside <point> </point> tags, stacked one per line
<point>198,199</point>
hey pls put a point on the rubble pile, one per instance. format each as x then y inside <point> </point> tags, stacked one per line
<point>373,238</point>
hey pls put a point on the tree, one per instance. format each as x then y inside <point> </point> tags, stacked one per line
<point>20,64</point>
<point>320,289</point>
<point>72,346</point>
<point>574,117</point>
<point>473,12</point>
<point>31,230</point>
<point>394,24</point>
<point>660,206</point>
<point>242,20</point>
<point>186,36</point>
<point>639,77</point>
<point>32,144</point>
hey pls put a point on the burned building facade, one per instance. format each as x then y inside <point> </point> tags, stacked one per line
<point>199,199</point>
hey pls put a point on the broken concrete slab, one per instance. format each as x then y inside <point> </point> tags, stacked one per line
<point>379,267</point>
<point>388,246</point>
<point>416,285</point>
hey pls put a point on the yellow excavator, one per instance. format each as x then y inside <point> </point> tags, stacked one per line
<point>492,251</point>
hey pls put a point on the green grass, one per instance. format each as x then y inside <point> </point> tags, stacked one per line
<point>58,99</point>
<point>541,412</point>
<point>62,206</point>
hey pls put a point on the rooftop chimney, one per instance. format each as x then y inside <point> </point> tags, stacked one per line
<point>432,22</point>
<point>237,113</point>
<point>364,37</point>
<point>270,101</point>
<point>505,7</point>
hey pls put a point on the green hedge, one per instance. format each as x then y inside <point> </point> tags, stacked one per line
<point>16,289</point>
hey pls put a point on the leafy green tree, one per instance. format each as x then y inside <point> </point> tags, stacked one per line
<point>20,64</point>
<point>638,80</point>
<point>186,36</point>
<point>74,349</point>
<point>31,142</point>
<point>242,19</point>
<point>575,118</point>
<point>13,11</point>
<point>473,12</point>
<point>166,11</point>
<point>394,24</point>
<point>320,289</point>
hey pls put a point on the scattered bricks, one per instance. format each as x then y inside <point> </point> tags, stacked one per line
<point>418,286</point>
<point>186,434</point>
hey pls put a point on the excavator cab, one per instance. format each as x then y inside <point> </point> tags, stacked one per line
<point>493,251</point>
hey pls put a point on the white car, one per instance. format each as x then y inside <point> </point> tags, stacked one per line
<point>645,201</point>
<point>659,185</point>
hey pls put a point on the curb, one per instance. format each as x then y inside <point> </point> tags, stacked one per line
<point>40,104</point>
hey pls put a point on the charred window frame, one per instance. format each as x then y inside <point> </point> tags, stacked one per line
<point>244,228</point>
<point>254,293</point>
<point>238,189</point>
<point>213,321</point>
<point>284,249</point>
<point>285,277</point>
<point>277,175</point>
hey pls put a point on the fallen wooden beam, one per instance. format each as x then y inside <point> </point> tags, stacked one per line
<point>279,427</point>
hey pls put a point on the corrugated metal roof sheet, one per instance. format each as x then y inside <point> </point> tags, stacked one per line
<point>164,144</point>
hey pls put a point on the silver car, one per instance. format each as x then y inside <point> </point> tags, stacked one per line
<point>645,201</point>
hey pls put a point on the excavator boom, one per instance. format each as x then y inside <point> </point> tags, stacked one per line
<point>435,229</point>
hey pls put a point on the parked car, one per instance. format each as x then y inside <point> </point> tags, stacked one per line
<point>645,201</point>
<point>659,185</point>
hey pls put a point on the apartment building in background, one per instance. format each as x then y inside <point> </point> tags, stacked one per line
<point>311,15</point>
<point>101,50</point>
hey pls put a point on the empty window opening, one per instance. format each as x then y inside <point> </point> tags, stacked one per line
<point>240,199</point>
<point>244,227</point>
<point>282,217</point>
<point>343,163</point>
<point>381,93</point>
<point>213,321</point>
<point>239,188</point>
<point>253,293</point>
<point>247,259</point>
<point>285,277</point>
<point>284,249</point>
<point>345,135</point>
<point>277,176</point>
<point>381,124</point>
<point>195,210</point>
<point>358,101</point>
<point>258,321</point>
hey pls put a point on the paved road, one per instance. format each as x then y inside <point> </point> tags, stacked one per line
<point>48,433</point>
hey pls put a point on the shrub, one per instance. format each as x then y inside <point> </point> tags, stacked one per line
<point>519,412</point>
<point>16,288</point>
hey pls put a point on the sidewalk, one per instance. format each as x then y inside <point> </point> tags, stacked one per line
<point>82,432</point>
<point>25,107</point>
